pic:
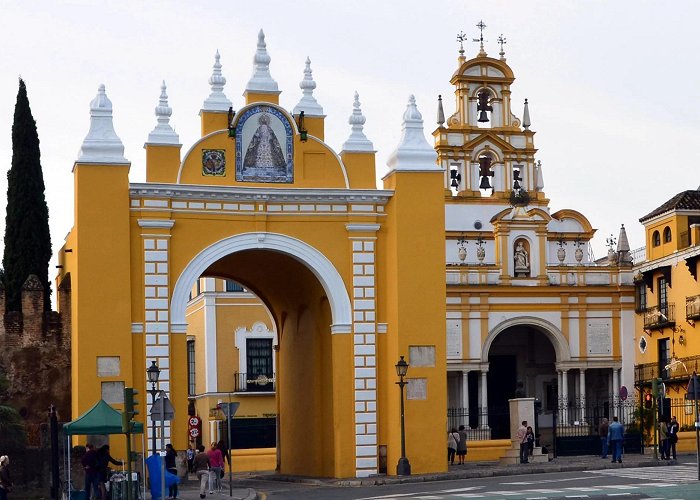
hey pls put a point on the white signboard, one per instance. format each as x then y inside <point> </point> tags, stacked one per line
<point>454,339</point>
<point>598,337</point>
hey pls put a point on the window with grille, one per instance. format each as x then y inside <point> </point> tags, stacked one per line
<point>232,286</point>
<point>663,296</point>
<point>640,297</point>
<point>259,364</point>
<point>664,356</point>
<point>190,368</point>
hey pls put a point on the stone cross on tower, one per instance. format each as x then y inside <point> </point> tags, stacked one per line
<point>481,27</point>
<point>502,42</point>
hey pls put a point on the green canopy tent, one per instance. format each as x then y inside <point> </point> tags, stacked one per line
<point>101,419</point>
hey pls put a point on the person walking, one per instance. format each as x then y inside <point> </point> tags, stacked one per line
<point>530,438</point>
<point>521,437</point>
<point>673,429</point>
<point>171,466</point>
<point>103,461</point>
<point>5,479</point>
<point>452,440</point>
<point>190,459</point>
<point>201,469</point>
<point>92,472</point>
<point>663,439</point>
<point>462,445</point>
<point>616,434</point>
<point>603,433</point>
<point>216,464</point>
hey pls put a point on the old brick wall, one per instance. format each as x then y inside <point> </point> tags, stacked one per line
<point>35,356</point>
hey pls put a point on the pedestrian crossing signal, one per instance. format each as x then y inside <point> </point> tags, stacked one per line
<point>647,401</point>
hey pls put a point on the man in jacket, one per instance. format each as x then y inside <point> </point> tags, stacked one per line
<point>673,429</point>
<point>522,439</point>
<point>616,433</point>
<point>603,433</point>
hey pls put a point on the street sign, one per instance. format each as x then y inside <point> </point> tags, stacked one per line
<point>623,393</point>
<point>194,432</point>
<point>162,409</point>
<point>690,391</point>
<point>230,409</point>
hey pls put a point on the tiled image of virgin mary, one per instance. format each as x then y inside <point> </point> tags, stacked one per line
<point>264,142</point>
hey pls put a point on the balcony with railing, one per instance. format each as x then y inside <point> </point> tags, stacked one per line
<point>254,382</point>
<point>681,371</point>
<point>660,317</point>
<point>692,307</point>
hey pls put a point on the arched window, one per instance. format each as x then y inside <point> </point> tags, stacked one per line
<point>667,234</point>
<point>656,239</point>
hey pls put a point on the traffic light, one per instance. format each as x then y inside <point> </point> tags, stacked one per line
<point>655,387</point>
<point>129,411</point>
<point>647,401</point>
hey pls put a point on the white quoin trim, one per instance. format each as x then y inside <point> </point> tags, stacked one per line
<point>323,269</point>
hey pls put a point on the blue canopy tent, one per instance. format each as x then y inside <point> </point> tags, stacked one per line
<point>101,419</point>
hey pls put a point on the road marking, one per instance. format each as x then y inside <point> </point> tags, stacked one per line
<point>583,488</point>
<point>679,473</point>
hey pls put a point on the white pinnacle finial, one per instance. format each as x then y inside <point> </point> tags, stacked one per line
<point>413,151</point>
<point>308,103</point>
<point>163,133</point>
<point>261,81</point>
<point>526,116</point>
<point>539,178</point>
<point>358,140</point>
<point>217,100</point>
<point>440,113</point>
<point>101,145</point>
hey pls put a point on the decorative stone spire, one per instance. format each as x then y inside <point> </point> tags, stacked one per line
<point>217,100</point>
<point>413,151</point>
<point>261,81</point>
<point>623,247</point>
<point>163,133</point>
<point>308,103</point>
<point>526,116</point>
<point>539,180</point>
<point>358,140</point>
<point>101,145</point>
<point>440,113</point>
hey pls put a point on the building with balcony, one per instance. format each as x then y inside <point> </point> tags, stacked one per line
<point>667,301</point>
<point>231,342</point>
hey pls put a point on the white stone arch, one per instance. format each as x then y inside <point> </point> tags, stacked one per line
<point>561,346</point>
<point>314,260</point>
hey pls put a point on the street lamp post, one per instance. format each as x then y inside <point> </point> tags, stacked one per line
<point>403,468</point>
<point>153,372</point>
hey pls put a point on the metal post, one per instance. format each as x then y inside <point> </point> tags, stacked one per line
<point>697,421</point>
<point>162,442</point>
<point>403,468</point>
<point>153,392</point>
<point>655,430</point>
<point>228,446</point>
<point>53,424</point>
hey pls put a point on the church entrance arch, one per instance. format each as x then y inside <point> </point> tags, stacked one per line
<point>308,303</point>
<point>522,355</point>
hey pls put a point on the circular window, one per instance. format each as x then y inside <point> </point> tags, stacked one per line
<point>643,344</point>
<point>477,224</point>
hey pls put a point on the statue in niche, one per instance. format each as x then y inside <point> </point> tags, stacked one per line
<point>522,261</point>
<point>520,390</point>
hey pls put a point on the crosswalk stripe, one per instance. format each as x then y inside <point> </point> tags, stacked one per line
<point>677,473</point>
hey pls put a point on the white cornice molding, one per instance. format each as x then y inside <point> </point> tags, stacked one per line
<point>156,224</point>
<point>667,261</point>
<point>305,195</point>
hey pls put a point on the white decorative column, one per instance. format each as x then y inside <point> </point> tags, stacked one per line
<point>565,397</point>
<point>156,243</point>
<point>616,386</point>
<point>484,410</point>
<point>363,239</point>
<point>465,390</point>
<point>211,379</point>
<point>582,392</point>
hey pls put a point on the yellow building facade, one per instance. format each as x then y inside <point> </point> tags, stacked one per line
<point>262,200</point>
<point>668,305</point>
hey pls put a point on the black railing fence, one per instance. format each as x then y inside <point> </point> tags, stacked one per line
<point>582,417</point>
<point>250,382</point>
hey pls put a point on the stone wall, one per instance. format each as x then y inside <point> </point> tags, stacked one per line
<point>35,356</point>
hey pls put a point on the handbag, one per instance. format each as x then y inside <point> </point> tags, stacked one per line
<point>221,473</point>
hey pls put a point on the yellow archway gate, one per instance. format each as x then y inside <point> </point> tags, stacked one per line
<point>353,276</point>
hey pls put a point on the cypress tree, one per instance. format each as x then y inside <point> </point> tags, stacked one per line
<point>27,237</point>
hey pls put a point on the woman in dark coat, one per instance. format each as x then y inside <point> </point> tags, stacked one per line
<point>5,480</point>
<point>171,466</point>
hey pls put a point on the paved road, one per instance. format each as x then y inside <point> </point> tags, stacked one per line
<point>672,482</point>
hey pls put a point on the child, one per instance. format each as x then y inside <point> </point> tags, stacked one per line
<point>530,437</point>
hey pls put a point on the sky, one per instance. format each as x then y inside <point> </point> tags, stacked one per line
<point>613,87</point>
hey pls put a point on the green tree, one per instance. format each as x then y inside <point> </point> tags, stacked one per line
<point>12,433</point>
<point>27,237</point>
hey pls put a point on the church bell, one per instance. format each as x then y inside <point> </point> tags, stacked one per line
<point>485,184</point>
<point>483,117</point>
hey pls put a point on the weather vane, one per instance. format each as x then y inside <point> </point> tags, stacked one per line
<point>461,37</point>
<point>502,42</point>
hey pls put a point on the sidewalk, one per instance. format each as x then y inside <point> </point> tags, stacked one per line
<point>244,485</point>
